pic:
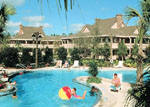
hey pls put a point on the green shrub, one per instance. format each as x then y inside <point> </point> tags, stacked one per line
<point>85,62</point>
<point>130,63</point>
<point>93,69</point>
<point>48,57</point>
<point>93,80</point>
<point>26,58</point>
<point>10,57</point>
<point>99,62</point>
<point>62,54</point>
<point>115,62</point>
<point>75,54</point>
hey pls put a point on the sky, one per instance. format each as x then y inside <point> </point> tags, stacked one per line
<point>54,20</point>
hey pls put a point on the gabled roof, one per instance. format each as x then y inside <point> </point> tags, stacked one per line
<point>104,27</point>
<point>124,31</point>
<point>27,32</point>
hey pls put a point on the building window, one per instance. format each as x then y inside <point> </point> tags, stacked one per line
<point>132,40</point>
<point>127,40</point>
<point>29,42</point>
<point>115,40</point>
<point>44,42</point>
<point>69,40</point>
<point>145,41</point>
<point>50,42</point>
<point>115,52</point>
<point>21,42</point>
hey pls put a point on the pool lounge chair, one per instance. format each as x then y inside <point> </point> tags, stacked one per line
<point>20,66</point>
<point>120,64</point>
<point>58,64</point>
<point>2,70</point>
<point>76,64</point>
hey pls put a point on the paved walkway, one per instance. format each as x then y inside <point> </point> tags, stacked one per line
<point>109,98</point>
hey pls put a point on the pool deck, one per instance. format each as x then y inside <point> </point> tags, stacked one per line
<point>109,98</point>
<point>13,70</point>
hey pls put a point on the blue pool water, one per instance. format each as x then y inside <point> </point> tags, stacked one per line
<point>40,89</point>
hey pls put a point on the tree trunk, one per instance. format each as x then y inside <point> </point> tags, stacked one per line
<point>139,78</point>
<point>122,58</point>
<point>140,57</point>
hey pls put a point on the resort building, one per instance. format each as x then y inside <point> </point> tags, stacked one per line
<point>111,30</point>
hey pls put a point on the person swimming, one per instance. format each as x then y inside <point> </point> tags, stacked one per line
<point>73,92</point>
<point>14,95</point>
<point>93,91</point>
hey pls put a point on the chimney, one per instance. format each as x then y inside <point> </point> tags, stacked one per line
<point>119,21</point>
<point>41,27</point>
<point>21,26</point>
<point>21,29</point>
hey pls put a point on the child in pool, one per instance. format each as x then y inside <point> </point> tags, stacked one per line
<point>14,95</point>
<point>93,91</point>
<point>73,92</point>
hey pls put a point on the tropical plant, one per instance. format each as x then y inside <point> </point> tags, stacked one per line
<point>139,95</point>
<point>5,41</point>
<point>143,27</point>
<point>75,54</point>
<point>106,51</point>
<point>26,58</point>
<point>62,54</point>
<point>60,3</point>
<point>122,50</point>
<point>5,11</point>
<point>94,80</point>
<point>10,57</point>
<point>84,52</point>
<point>147,52</point>
<point>93,70</point>
<point>134,52</point>
<point>48,57</point>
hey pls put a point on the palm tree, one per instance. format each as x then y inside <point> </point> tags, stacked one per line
<point>143,27</point>
<point>60,2</point>
<point>5,11</point>
<point>139,96</point>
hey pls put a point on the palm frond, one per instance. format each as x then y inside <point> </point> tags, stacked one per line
<point>131,13</point>
<point>5,11</point>
<point>59,3</point>
<point>140,94</point>
<point>10,10</point>
<point>145,7</point>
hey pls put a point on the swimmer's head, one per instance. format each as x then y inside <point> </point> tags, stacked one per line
<point>74,89</point>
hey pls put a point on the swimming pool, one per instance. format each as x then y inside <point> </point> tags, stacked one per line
<point>40,89</point>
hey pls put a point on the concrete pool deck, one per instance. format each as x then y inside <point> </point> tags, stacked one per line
<point>12,70</point>
<point>108,98</point>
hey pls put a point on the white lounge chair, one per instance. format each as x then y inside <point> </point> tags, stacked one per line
<point>76,63</point>
<point>4,79</point>
<point>120,64</point>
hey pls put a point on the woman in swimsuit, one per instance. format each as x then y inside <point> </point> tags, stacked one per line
<point>73,92</point>
<point>116,81</point>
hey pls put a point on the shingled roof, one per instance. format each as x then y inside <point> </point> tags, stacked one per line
<point>104,27</point>
<point>26,32</point>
